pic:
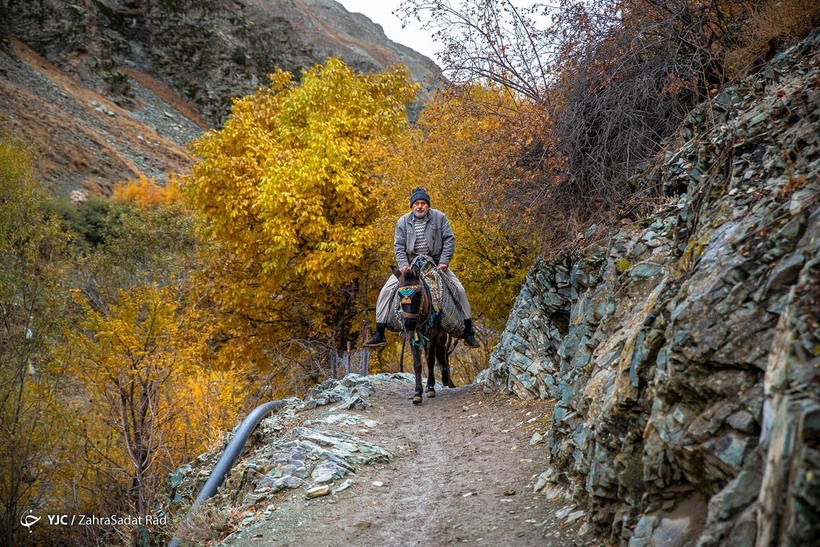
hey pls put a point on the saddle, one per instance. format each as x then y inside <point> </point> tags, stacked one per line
<point>442,291</point>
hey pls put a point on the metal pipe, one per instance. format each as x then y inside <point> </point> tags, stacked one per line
<point>232,451</point>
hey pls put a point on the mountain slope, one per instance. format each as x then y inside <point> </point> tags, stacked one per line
<point>331,30</point>
<point>86,141</point>
<point>113,89</point>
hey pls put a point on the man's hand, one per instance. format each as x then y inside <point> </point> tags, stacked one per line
<point>442,267</point>
<point>405,269</point>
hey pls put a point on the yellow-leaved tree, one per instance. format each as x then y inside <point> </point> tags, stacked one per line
<point>127,360</point>
<point>140,393</point>
<point>32,276</point>
<point>289,190</point>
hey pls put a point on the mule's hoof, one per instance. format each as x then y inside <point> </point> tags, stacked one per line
<point>431,393</point>
<point>417,399</point>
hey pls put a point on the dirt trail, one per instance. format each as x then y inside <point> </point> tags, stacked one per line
<point>463,472</point>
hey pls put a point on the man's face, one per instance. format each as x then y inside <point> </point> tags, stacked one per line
<point>420,208</point>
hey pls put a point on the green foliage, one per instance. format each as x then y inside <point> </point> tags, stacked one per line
<point>89,221</point>
<point>622,265</point>
<point>142,246</point>
<point>239,56</point>
<point>142,235</point>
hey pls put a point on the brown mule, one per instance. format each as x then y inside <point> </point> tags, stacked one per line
<point>421,326</point>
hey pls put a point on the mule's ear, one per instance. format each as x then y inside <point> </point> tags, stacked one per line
<point>416,271</point>
<point>396,271</point>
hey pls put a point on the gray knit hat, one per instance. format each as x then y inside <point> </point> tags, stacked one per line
<point>417,194</point>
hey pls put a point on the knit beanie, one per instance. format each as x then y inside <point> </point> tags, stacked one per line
<point>419,193</point>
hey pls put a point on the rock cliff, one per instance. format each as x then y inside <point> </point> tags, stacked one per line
<point>684,355</point>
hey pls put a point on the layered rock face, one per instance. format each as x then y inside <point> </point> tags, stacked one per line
<point>684,357</point>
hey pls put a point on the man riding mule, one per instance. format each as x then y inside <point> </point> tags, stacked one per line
<point>423,232</point>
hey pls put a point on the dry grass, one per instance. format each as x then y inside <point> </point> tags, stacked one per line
<point>775,26</point>
<point>82,146</point>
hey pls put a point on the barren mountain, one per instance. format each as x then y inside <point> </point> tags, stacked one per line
<point>109,90</point>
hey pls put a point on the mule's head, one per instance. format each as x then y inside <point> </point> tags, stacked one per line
<point>411,296</point>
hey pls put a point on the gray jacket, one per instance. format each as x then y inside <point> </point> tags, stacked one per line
<point>439,234</point>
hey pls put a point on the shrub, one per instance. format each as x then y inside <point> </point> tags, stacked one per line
<point>627,87</point>
<point>771,28</point>
<point>89,221</point>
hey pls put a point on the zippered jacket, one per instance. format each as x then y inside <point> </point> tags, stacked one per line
<point>440,238</point>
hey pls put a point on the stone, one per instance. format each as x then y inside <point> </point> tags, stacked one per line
<point>742,421</point>
<point>275,484</point>
<point>342,487</point>
<point>646,269</point>
<point>317,491</point>
<point>786,272</point>
<point>325,473</point>
<point>801,199</point>
<point>574,517</point>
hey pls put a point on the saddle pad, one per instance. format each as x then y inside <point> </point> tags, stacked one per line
<point>452,318</point>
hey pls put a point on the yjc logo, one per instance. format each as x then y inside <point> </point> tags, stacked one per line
<point>29,520</point>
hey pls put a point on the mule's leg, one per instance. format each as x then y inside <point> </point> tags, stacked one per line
<point>417,369</point>
<point>431,367</point>
<point>444,359</point>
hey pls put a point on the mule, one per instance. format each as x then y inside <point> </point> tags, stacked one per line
<point>421,327</point>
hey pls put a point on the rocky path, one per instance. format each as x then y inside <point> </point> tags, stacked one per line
<point>463,471</point>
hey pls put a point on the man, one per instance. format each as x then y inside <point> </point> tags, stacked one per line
<point>422,231</point>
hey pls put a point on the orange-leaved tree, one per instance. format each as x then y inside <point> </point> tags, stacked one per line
<point>142,393</point>
<point>146,193</point>
<point>288,189</point>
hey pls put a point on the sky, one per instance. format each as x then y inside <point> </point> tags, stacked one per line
<point>412,36</point>
<point>381,12</point>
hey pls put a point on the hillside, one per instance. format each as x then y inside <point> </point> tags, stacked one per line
<point>111,90</point>
<point>681,357</point>
<point>87,141</point>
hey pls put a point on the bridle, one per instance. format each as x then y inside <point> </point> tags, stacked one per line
<point>425,304</point>
<point>416,337</point>
<point>406,294</point>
